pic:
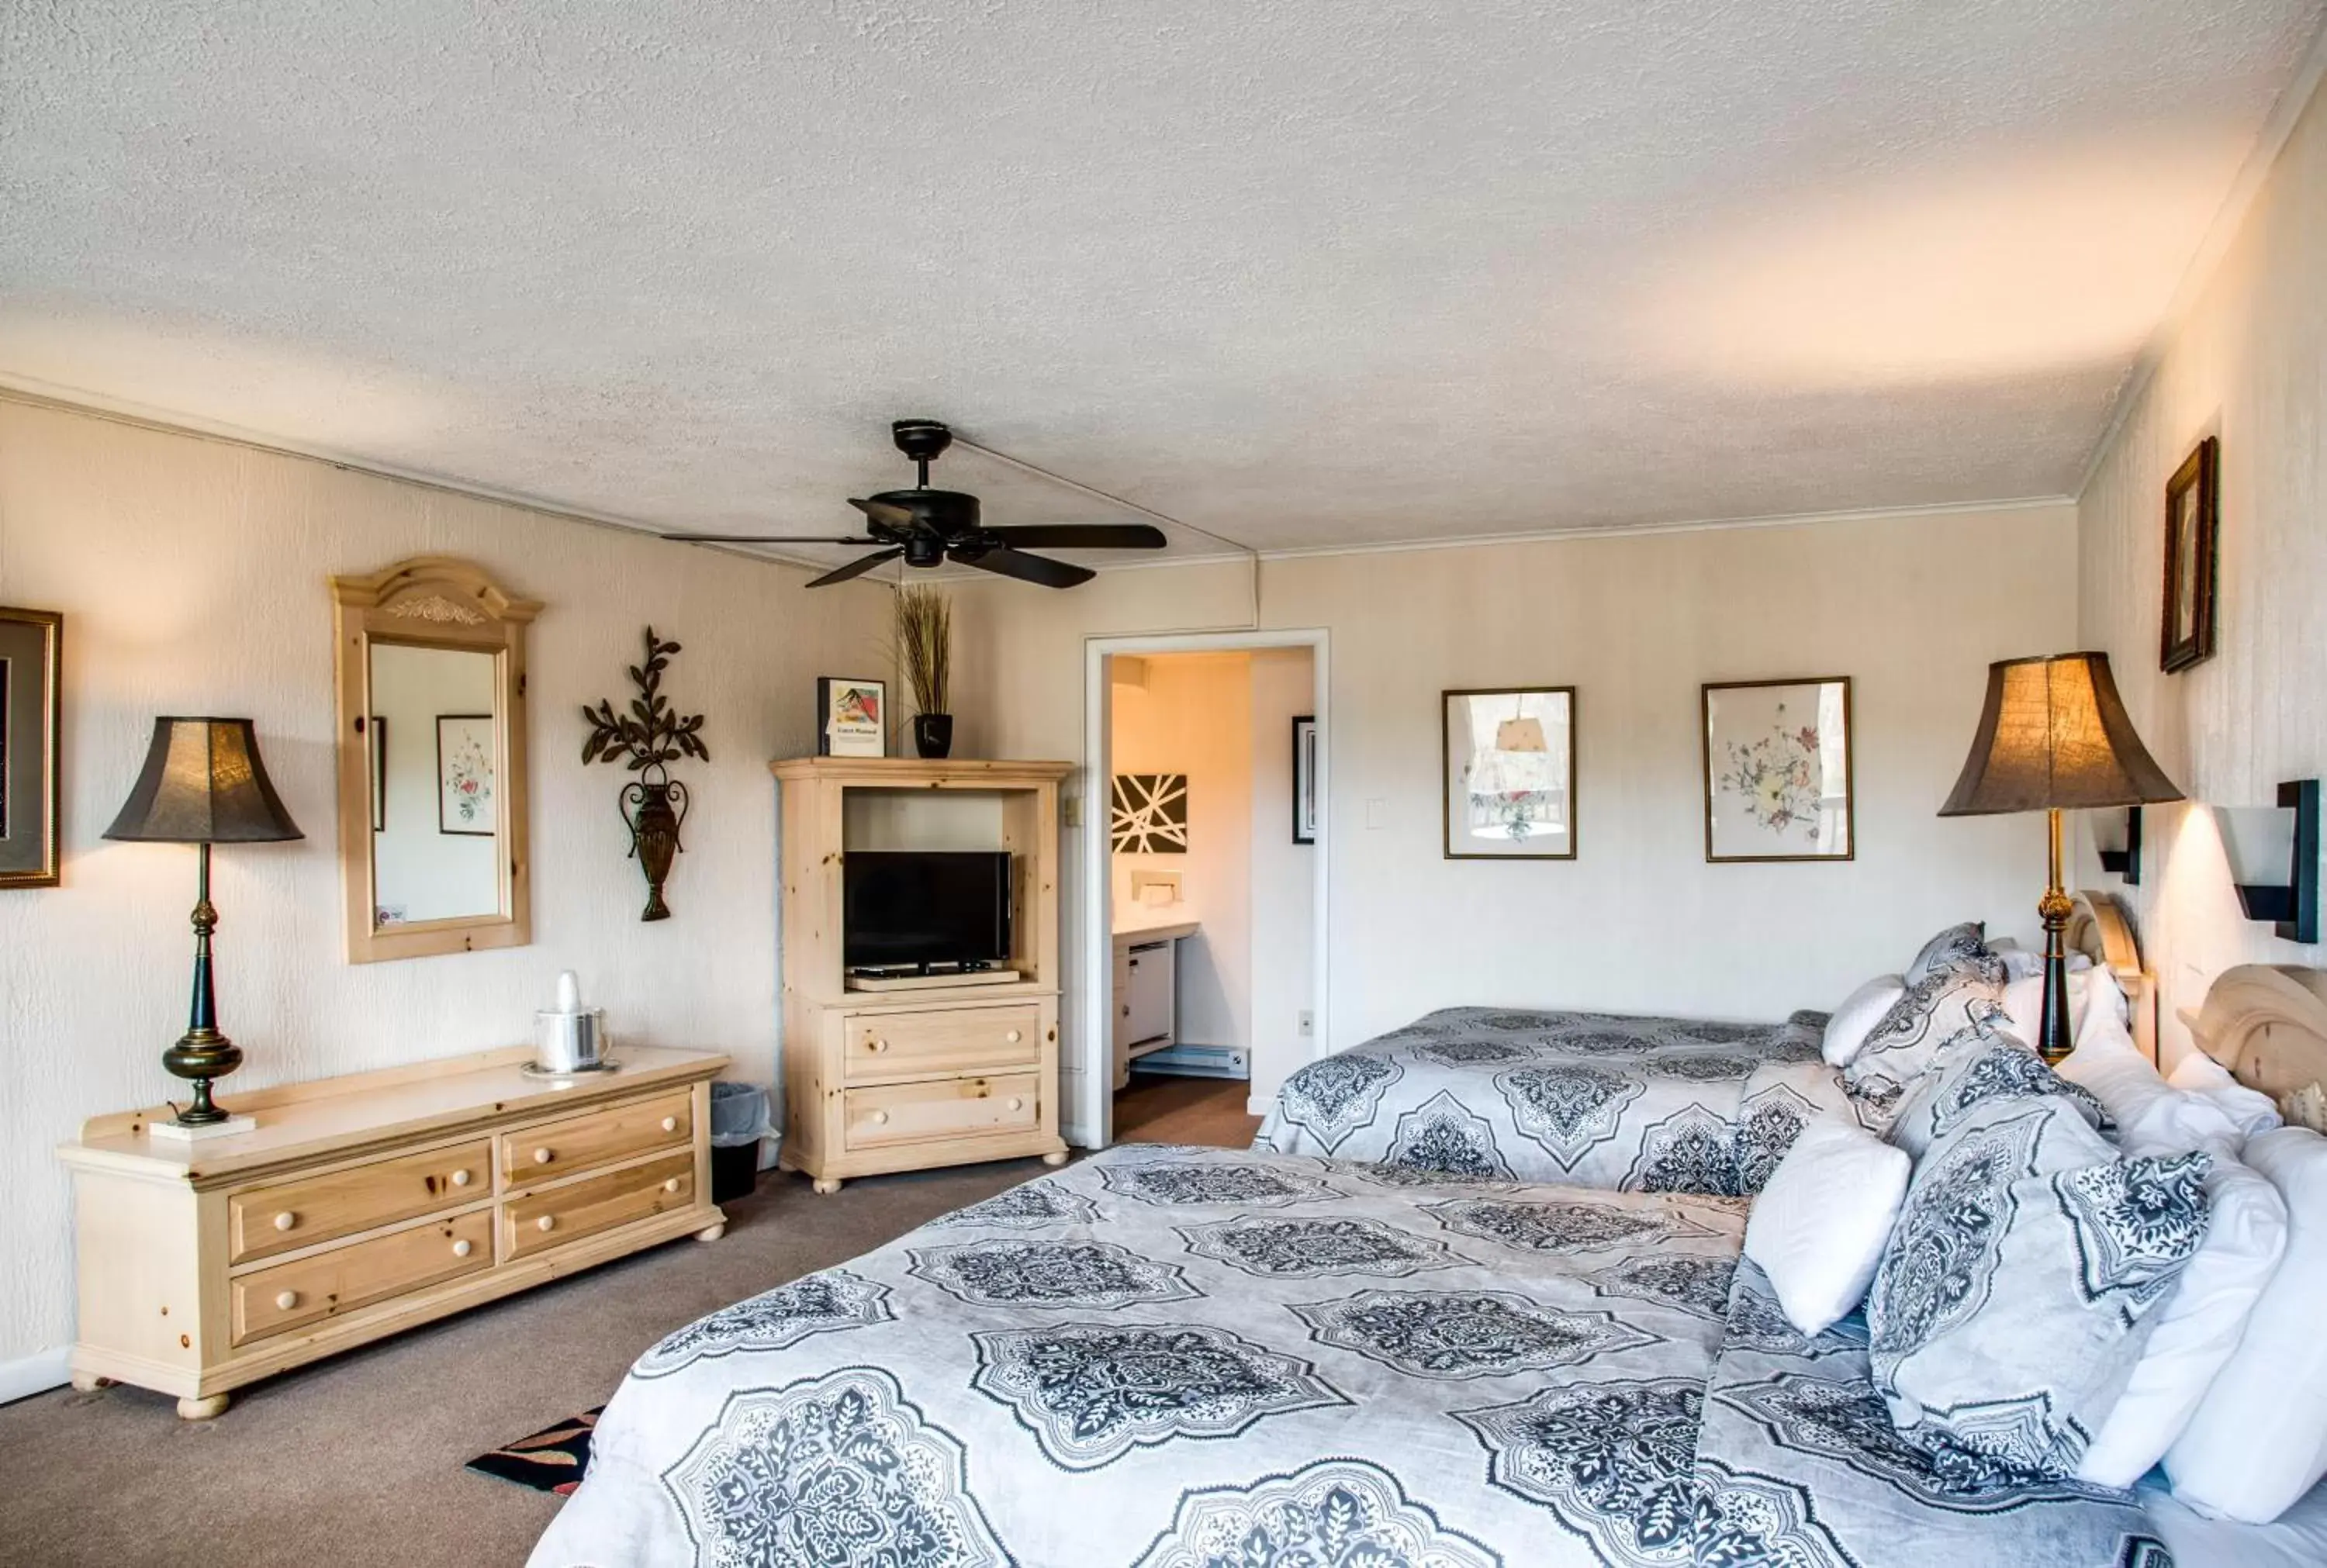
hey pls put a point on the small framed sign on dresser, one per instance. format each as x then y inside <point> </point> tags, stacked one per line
<point>365,1205</point>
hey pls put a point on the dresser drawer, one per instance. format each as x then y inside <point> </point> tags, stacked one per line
<point>541,1220</point>
<point>291,1295</point>
<point>553,1149</point>
<point>957,1039</point>
<point>944,1108</point>
<point>265,1220</point>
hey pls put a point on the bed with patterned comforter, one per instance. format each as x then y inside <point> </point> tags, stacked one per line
<point>1588,1099</point>
<point>1167,1358</point>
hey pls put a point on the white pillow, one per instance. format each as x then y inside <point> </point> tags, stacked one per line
<point>2199,1074</point>
<point>2153,1116</point>
<point>1819,1226</point>
<point>2198,1326</point>
<point>2024,1001</point>
<point>2019,962</point>
<point>1862,1010</point>
<point>2258,1441</point>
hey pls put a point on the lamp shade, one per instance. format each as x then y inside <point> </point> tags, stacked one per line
<point>203,783</point>
<point>2054,735</point>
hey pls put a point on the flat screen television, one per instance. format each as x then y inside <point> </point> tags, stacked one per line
<point>916,909</point>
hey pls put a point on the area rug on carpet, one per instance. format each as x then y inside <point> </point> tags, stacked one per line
<point>551,1461</point>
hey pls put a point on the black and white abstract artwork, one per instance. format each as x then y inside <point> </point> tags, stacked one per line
<point>1151,814</point>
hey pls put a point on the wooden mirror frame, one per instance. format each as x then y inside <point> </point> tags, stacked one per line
<point>430,601</point>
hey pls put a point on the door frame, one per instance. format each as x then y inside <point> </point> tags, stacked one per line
<point>1090,1121</point>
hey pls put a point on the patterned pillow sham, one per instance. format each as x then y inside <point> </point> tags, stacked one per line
<point>1970,1071</point>
<point>2018,1288</point>
<point>1937,1011</point>
<point>1954,948</point>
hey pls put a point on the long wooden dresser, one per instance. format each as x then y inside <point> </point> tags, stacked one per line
<point>902,1080</point>
<point>364,1205</point>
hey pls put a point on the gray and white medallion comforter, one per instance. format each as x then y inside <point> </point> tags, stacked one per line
<point>1202,1358</point>
<point>1591,1099</point>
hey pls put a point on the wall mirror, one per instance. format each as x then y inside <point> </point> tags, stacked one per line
<point>432,766</point>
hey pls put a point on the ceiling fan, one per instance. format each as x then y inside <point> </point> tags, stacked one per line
<point>929,527</point>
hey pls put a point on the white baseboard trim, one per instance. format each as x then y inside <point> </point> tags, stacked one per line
<point>1259,1105</point>
<point>35,1374</point>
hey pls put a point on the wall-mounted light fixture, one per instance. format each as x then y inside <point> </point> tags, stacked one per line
<point>2274,855</point>
<point>2117,840</point>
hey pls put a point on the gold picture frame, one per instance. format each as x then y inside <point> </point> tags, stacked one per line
<point>32,716</point>
<point>1517,781</point>
<point>1769,783</point>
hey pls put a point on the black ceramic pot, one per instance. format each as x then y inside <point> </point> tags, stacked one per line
<point>933,735</point>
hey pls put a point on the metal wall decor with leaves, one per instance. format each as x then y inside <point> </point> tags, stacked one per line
<point>648,738</point>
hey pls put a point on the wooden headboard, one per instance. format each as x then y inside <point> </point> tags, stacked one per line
<point>2100,929</point>
<point>2267,1023</point>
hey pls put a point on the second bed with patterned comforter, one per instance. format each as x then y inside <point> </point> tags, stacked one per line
<point>1591,1099</point>
<point>1203,1358</point>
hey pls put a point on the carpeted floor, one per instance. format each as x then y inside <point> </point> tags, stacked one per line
<point>358,1460</point>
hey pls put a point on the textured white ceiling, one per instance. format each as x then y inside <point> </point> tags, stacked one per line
<point>1359,271</point>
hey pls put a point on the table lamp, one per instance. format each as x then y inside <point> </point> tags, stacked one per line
<point>2054,737</point>
<point>202,784</point>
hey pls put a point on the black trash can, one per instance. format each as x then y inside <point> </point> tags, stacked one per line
<point>739,1120</point>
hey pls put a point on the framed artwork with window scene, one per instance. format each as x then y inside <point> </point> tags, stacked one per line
<point>31,707</point>
<point>1778,770</point>
<point>1509,760</point>
<point>2192,535</point>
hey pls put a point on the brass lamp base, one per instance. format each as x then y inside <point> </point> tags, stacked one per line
<point>2054,909</point>
<point>200,1056</point>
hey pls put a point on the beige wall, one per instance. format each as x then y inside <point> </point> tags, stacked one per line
<point>1193,714</point>
<point>1283,873</point>
<point>1913,608</point>
<point>192,576</point>
<point>2249,365</point>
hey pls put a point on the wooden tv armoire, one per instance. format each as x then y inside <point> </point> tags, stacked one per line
<point>939,1074</point>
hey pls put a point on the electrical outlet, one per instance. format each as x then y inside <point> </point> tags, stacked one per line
<point>1376,812</point>
<point>1308,1024</point>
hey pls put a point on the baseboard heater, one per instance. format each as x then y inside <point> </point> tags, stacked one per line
<point>1220,1062</point>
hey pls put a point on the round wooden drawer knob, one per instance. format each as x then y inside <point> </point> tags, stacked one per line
<point>463,1249</point>
<point>1011,1037</point>
<point>877,1046</point>
<point>671,1185</point>
<point>542,1156</point>
<point>670,1123</point>
<point>879,1118</point>
<point>460,1178</point>
<point>286,1300</point>
<point>1016,1104</point>
<point>286,1220</point>
<point>546,1222</point>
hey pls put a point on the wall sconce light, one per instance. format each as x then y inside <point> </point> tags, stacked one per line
<point>2119,845</point>
<point>2274,855</point>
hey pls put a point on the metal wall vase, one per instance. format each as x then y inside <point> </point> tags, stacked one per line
<point>655,809</point>
<point>650,735</point>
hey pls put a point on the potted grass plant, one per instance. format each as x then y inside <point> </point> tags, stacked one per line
<point>924,632</point>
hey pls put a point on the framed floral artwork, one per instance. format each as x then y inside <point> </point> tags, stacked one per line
<point>31,708</point>
<point>467,787</point>
<point>1777,770</point>
<point>2193,529</point>
<point>1510,759</point>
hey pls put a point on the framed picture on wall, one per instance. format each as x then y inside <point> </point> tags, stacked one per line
<point>1150,815</point>
<point>852,717</point>
<point>1509,761</point>
<point>1304,780</point>
<point>468,787</point>
<point>1777,770</point>
<point>2192,535</point>
<point>32,708</point>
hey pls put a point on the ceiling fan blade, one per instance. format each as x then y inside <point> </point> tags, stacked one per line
<point>767,539</point>
<point>1027,568</point>
<point>881,511</point>
<point>857,568</point>
<point>1082,537</point>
